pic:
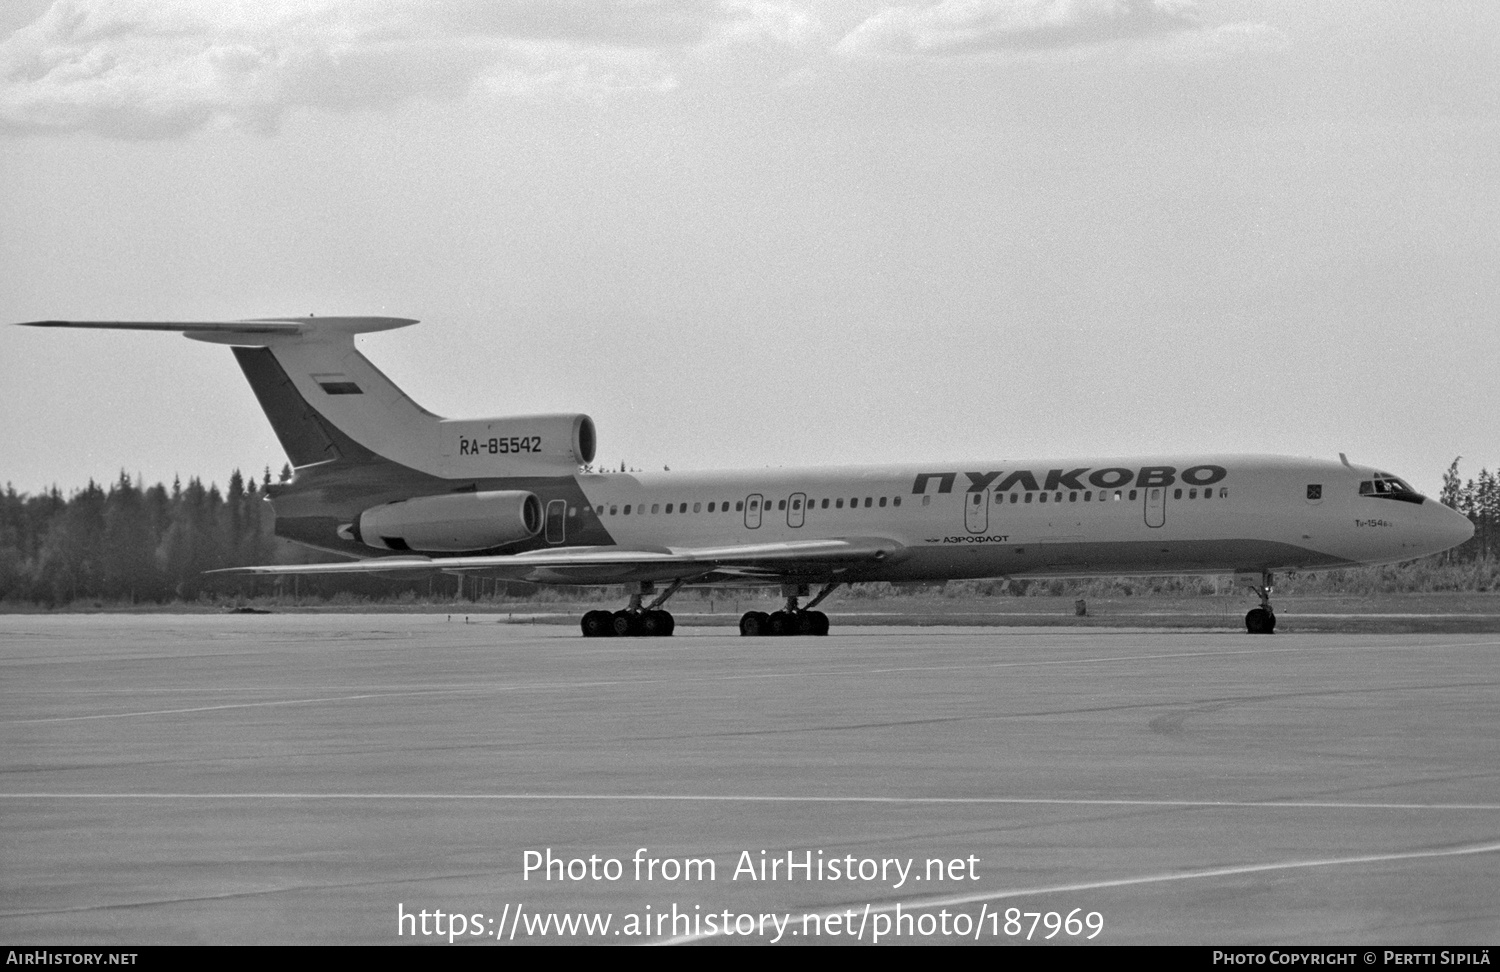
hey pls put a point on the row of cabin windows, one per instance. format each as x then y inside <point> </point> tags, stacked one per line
<point>882,501</point>
<point>755,505</point>
<point>1105,495</point>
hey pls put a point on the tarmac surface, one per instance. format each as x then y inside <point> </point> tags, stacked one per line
<point>311,778</point>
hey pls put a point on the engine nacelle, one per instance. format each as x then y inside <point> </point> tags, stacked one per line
<point>516,445</point>
<point>455,523</point>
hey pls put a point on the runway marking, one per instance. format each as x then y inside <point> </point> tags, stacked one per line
<point>607,683</point>
<point>228,705</point>
<point>251,893</point>
<point>751,798</point>
<point>1216,872</point>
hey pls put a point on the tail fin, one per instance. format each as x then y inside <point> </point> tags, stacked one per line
<point>324,399</point>
<point>326,402</point>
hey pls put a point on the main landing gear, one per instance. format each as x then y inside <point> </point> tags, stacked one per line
<point>791,620</point>
<point>634,621</point>
<point>1262,620</point>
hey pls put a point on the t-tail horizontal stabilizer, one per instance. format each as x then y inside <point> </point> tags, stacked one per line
<point>259,331</point>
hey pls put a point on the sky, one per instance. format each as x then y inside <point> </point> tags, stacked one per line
<point>756,233</point>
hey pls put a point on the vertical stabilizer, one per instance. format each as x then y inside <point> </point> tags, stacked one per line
<point>327,402</point>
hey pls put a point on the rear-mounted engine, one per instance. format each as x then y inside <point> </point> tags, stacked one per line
<point>455,523</point>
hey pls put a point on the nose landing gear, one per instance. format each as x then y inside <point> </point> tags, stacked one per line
<point>634,621</point>
<point>1262,620</point>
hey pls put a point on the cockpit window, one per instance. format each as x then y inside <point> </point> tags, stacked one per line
<point>1386,486</point>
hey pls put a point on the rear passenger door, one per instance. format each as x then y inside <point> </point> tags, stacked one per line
<point>1156,506</point>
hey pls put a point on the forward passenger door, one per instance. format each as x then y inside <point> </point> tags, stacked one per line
<point>977,511</point>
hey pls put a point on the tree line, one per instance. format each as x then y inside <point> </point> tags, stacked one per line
<point>1479,500</point>
<point>132,544</point>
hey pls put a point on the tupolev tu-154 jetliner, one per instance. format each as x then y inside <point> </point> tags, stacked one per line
<point>379,478</point>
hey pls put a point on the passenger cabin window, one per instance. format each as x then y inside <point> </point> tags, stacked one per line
<point>896,501</point>
<point>882,502</point>
<point>927,501</point>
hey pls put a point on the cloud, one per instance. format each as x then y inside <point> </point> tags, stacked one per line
<point>963,27</point>
<point>1235,38</point>
<point>161,68</point>
<point>143,69</point>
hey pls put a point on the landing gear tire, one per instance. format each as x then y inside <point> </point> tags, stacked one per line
<point>624,624</point>
<point>754,624</point>
<point>782,624</point>
<point>655,624</point>
<point>819,623</point>
<point>1260,621</point>
<point>598,624</point>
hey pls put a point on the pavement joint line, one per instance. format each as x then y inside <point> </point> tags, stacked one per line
<point>920,904</point>
<point>756,798</point>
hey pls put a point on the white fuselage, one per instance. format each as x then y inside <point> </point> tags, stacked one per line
<point>1250,513</point>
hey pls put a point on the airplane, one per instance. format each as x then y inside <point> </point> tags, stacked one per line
<point>381,479</point>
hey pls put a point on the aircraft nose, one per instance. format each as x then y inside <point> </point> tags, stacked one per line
<point>1447,527</point>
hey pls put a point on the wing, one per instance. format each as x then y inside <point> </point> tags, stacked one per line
<point>843,557</point>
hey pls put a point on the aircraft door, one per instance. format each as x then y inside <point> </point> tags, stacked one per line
<point>1156,506</point>
<point>977,511</point>
<point>795,509</point>
<point>557,513</point>
<point>752,511</point>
